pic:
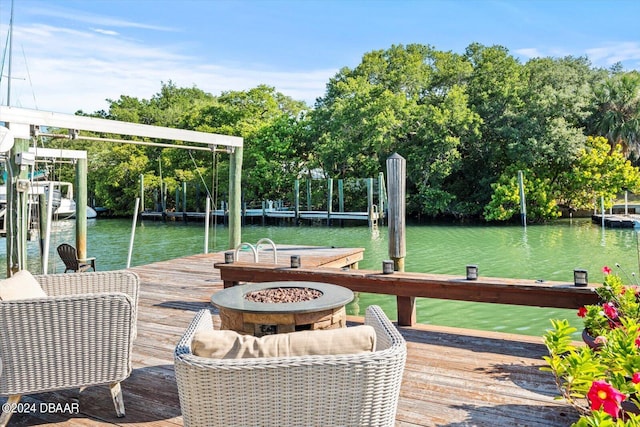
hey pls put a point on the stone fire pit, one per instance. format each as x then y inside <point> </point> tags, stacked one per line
<point>277,307</point>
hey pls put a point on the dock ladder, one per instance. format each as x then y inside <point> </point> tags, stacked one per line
<point>256,249</point>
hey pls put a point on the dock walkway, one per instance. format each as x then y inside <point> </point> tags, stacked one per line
<point>453,377</point>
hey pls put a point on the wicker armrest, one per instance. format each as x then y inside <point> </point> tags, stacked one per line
<point>65,342</point>
<point>90,282</point>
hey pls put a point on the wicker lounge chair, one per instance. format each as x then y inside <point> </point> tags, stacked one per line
<point>69,256</point>
<point>341,390</point>
<point>80,335</point>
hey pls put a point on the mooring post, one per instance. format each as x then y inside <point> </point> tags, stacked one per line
<point>523,204</point>
<point>396,183</point>
<point>329,199</point>
<point>370,201</point>
<point>381,194</point>
<point>235,197</point>
<point>296,200</point>
<point>16,214</point>
<point>81,208</point>
<point>141,208</point>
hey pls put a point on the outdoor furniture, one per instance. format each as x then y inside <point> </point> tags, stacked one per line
<point>336,390</point>
<point>69,256</point>
<point>80,334</point>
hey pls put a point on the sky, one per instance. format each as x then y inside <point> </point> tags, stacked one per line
<point>70,55</point>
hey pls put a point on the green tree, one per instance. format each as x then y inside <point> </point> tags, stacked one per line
<point>616,113</point>
<point>407,99</point>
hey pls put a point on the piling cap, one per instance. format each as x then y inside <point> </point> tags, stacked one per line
<point>395,156</point>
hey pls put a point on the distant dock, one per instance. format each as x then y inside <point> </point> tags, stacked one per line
<point>617,220</point>
<point>371,217</point>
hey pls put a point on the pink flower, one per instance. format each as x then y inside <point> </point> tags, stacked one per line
<point>637,342</point>
<point>636,378</point>
<point>606,270</point>
<point>582,311</point>
<point>610,310</point>
<point>603,396</point>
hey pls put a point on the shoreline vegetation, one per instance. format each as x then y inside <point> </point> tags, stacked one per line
<point>467,124</point>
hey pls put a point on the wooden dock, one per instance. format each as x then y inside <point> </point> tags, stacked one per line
<point>453,377</point>
<point>264,215</point>
<point>617,220</point>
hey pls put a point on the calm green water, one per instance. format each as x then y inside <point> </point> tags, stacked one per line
<point>548,252</point>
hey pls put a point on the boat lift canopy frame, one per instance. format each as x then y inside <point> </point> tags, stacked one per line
<point>23,123</point>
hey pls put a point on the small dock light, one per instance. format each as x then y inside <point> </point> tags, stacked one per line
<point>472,272</point>
<point>295,261</point>
<point>580,277</point>
<point>229,257</point>
<point>387,266</point>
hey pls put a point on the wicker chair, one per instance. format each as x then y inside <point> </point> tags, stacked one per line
<point>342,390</point>
<point>80,335</point>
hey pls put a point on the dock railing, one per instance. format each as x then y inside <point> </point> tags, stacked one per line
<point>406,284</point>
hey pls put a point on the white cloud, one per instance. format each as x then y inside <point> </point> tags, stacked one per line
<point>530,52</point>
<point>611,53</point>
<point>70,70</point>
<point>106,32</point>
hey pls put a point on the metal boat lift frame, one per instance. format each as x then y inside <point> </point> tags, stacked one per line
<point>24,124</point>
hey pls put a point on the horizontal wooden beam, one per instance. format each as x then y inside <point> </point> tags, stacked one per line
<point>406,284</point>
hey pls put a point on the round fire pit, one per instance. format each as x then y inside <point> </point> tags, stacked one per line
<point>276,307</point>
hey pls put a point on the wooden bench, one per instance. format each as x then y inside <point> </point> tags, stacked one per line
<point>407,286</point>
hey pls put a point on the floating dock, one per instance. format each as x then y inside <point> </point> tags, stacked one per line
<point>617,220</point>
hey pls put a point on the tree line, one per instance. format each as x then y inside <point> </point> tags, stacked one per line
<point>465,122</point>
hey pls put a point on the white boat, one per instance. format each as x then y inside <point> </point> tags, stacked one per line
<point>63,203</point>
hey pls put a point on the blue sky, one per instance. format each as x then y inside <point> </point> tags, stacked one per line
<point>74,54</point>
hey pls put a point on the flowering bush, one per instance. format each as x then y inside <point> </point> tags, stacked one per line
<point>601,381</point>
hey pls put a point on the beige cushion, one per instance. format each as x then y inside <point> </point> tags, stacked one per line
<point>22,285</point>
<point>232,345</point>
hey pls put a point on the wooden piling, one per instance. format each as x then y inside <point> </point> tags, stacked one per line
<point>296,199</point>
<point>81,208</point>
<point>141,209</point>
<point>329,199</point>
<point>235,197</point>
<point>370,201</point>
<point>396,184</point>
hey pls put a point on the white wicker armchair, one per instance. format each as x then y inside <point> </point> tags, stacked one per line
<point>341,390</point>
<point>80,335</point>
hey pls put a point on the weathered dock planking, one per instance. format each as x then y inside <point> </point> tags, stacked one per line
<point>454,377</point>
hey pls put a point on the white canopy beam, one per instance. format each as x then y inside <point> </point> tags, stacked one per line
<point>21,119</point>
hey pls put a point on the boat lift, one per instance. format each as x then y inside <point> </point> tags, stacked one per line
<point>21,125</point>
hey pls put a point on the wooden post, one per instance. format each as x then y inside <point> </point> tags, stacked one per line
<point>308,194</point>
<point>329,199</point>
<point>296,199</point>
<point>184,202</point>
<point>341,195</point>
<point>81,208</point>
<point>370,200</point>
<point>16,224</point>
<point>163,199</point>
<point>141,193</point>
<point>523,204</point>
<point>235,194</point>
<point>396,184</point>
<point>381,194</point>
<point>184,197</point>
